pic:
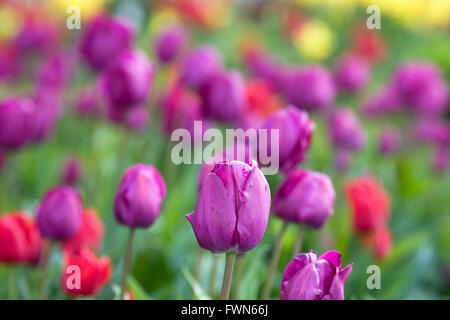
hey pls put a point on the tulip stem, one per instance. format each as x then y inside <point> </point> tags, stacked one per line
<point>45,272</point>
<point>227,276</point>
<point>12,283</point>
<point>127,263</point>
<point>298,242</point>
<point>273,262</point>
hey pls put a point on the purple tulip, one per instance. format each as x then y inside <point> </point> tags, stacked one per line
<point>104,40</point>
<point>233,208</point>
<point>432,130</point>
<point>352,73</point>
<point>36,35</point>
<point>342,159</point>
<point>59,213</point>
<point>382,102</point>
<point>223,96</point>
<point>307,277</point>
<point>200,64</point>
<point>139,197</point>
<point>305,197</point>
<point>55,71</point>
<point>295,133</point>
<point>137,119</point>
<point>170,42</point>
<point>87,103</point>
<point>71,171</point>
<point>10,62</point>
<point>181,107</point>
<point>345,129</point>
<point>389,141</point>
<point>15,122</point>
<point>129,81</point>
<point>46,111</point>
<point>311,88</point>
<point>421,87</point>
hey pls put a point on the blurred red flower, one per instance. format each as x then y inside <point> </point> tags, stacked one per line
<point>89,235</point>
<point>84,273</point>
<point>20,241</point>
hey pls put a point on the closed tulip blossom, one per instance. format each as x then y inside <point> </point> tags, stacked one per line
<point>311,88</point>
<point>199,64</point>
<point>421,87</point>
<point>305,197</point>
<point>46,112</point>
<point>232,212</point>
<point>89,235</point>
<point>16,123</point>
<point>138,205</point>
<point>137,119</point>
<point>84,274</point>
<point>295,132</point>
<point>104,39</point>
<point>59,213</point>
<point>87,103</point>
<point>223,95</point>
<point>307,277</point>
<point>71,171</point>
<point>352,73</point>
<point>128,82</point>
<point>139,197</point>
<point>20,241</point>
<point>169,42</point>
<point>389,141</point>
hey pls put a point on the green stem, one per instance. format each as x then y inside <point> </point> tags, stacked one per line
<point>45,272</point>
<point>227,276</point>
<point>273,262</point>
<point>127,263</point>
<point>298,242</point>
<point>12,283</point>
<point>198,264</point>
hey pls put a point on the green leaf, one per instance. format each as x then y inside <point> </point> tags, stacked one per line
<point>199,293</point>
<point>136,289</point>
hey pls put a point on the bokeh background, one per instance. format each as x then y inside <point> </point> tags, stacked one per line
<point>293,33</point>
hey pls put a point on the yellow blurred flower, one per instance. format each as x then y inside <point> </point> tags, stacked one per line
<point>11,21</point>
<point>88,8</point>
<point>162,18</point>
<point>314,40</point>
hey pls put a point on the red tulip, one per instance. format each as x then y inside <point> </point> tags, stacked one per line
<point>369,202</point>
<point>89,235</point>
<point>20,241</point>
<point>85,274</point>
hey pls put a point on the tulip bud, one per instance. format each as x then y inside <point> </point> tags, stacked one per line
<point>389,141</point>
<point>223,96</point>
<point>352,73</point>
<point>15,122</point>
<point>87,103</point>
<point>71,171</point>
<point>233,208</point>
<point>345,130</point>
<point>59,213</point>
<point>305,197</point>
<point>104,39</point>
<point>169,43</point>
<point>84,274</point>
<point>89,235</point>
<point>129,81</point>
<point>295,132</point>
<point>369,202</point>
<point>20,241</point>
<point>311,88</point>
<point>137,119</point>
<point>199,64</point>
<point>382,102</point>
<point>46,111</point>
<point>139,197</point>
<point>307,277</point>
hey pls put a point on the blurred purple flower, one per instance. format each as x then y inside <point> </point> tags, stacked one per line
<point>36,35</point>
<point>139,197</point>
<point>59,213</point>
<point>441,158</point>
<point>311,88</point>
<point>16,122</point>
<point>104,39</point>
<point>233,208</point>
<point>389,141</point>
<point>432,130</point>
<point>305,197</point>
<point>345,129</point>
<point>55,71</point>
<point>87,103</point>
<point>71,171</point>
<point>223,96</point>
<point>199,64</point>
<point>421,87</point>
<point>129,81</point>
<point>46,111</point>
<point>170,42</point>
<point>382,102</point>
<point>295,133</point>
<point>137,119</point>
<point>352,73</point>
<point>307,277</point>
